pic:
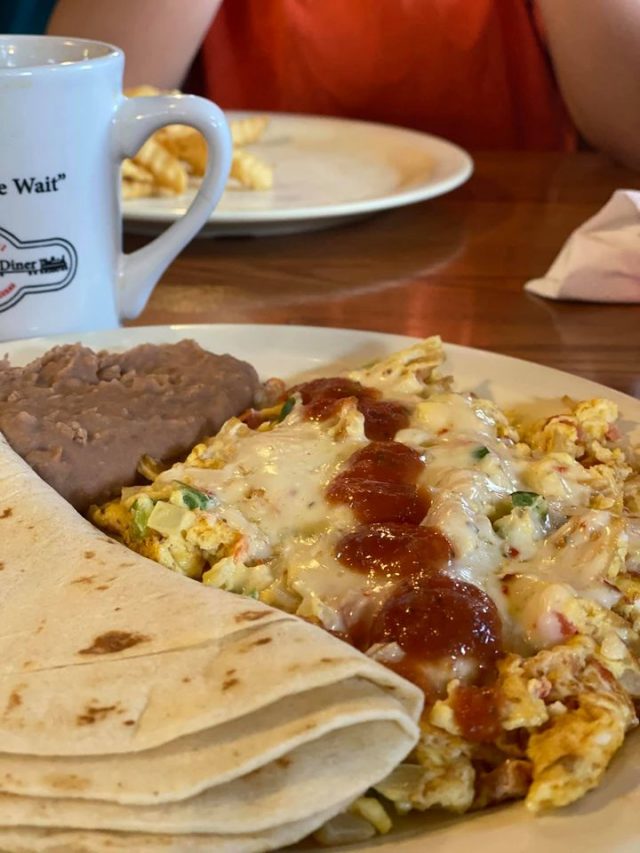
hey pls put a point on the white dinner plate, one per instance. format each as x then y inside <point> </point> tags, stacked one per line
<point>605,821</point>
<point>325,170</point>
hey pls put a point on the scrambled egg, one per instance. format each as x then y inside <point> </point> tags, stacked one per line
<point>573,711</point>
<point>544,517</point>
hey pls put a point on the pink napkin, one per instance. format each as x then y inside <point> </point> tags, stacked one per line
<point>600,262</point>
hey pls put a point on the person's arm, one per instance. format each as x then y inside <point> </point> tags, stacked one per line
<point>595,50</point>
<point>160,38</point>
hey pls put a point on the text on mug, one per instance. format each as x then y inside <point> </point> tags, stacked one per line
<point>48,184</point>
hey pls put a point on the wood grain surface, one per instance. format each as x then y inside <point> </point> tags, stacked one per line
<point>454,265</point>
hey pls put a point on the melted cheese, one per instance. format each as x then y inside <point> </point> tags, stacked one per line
<point>271,488</point>
<point>273,532</point>
<point>450,412</point>
<point>584,554</point>
<point>559,478</point>
<point>277,479</point>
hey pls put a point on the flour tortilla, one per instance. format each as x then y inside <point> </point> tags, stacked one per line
<point>139,703</point>
<point>133,700</point>
<point>187,766</point>
<point>34,840</point>
<point>299,783</point>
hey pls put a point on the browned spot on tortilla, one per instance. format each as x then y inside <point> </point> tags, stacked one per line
<point>6,512</point>
<point>186,679</point>
<point>114,641</point>
<point>283,761</point>
<point>103,586</point>
<point>84,579</point>
<point>1,565</point>
<point>15,700</point>
<point>89,554</point>
<point>67,781</point>
<point>94,713</point>
<point>251,615</point>
<point>40,627</point>
<point>129,723</point>
<point>262,641</point>
<point>230,672</point>
<point>115,609</point>
<point>328,660</point>
<point>229,682</point>
<point>255,772</point>
<point>27,664</point>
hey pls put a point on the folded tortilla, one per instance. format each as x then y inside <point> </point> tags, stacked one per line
<point>140,710</point>
<point>30,840</point>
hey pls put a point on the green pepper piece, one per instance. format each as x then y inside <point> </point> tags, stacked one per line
<point>194,498</point>
<point>524,498</point>
<point>480,452</point>
<point>288,404</point>
<point>140,512</point>
<point>533,500</point>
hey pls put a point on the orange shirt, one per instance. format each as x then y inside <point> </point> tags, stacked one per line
<point>474,71</point>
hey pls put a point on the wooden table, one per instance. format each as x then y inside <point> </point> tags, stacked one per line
<point>454,265</point>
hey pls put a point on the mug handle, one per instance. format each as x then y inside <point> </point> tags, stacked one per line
<point>135,120</point>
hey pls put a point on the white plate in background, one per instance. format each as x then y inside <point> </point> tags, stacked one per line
<point>325,170</point>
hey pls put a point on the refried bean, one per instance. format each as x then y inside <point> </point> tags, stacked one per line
<point>82,419</point>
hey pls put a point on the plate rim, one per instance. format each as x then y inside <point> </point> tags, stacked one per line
<point>405,340</point>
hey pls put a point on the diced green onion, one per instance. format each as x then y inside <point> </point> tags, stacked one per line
<point>524,498</point>
<point>140,512</point>
<point>194,498</point>
<point>533,500</point>
<point>288,405</point>
<point>480,452</point>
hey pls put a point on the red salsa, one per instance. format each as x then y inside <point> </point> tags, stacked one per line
<point>383,418</point>
<point>395,550</point>
<point>379,484</point>
<point>372,500</point>
<point>437,617</point>
<point>386,460</point>
<point>322,399</point>
<point>434,619</point>
<point>477,712</point>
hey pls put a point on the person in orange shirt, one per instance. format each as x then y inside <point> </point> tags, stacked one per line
<point>499,74</point>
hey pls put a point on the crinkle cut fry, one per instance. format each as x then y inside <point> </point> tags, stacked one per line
<point>245,131</point>
<point>250,171</point>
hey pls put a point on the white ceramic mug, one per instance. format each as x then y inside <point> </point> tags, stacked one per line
<point>65,127</point>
